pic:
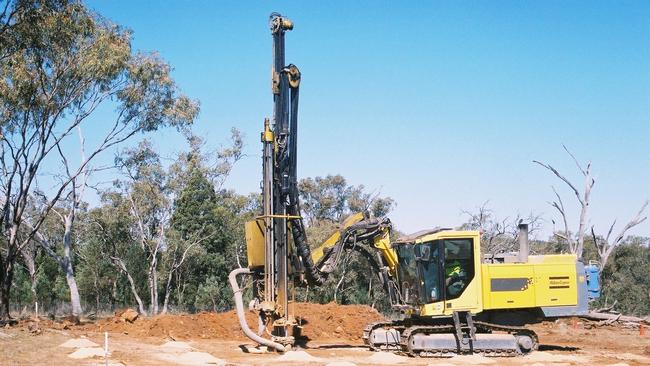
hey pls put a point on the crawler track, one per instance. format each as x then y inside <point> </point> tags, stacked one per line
<point>483,330</point>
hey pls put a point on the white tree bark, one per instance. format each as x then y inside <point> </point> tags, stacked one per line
<point>65,261</point>
<point>119,264</point>
<point>28,253</point>
<point>75,299</point>
<point>576,247</point>
<point>168,288</point>
<point>616,317</point>
<point>151,241</point>
<point>153,285</point>
<point>607,244</point>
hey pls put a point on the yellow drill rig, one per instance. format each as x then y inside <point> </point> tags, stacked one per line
<point>452,301</point>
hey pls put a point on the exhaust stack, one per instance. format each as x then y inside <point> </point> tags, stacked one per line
<point>523,243</point>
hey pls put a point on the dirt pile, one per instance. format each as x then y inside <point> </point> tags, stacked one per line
<point>319,321</point>
<point>333,321</point>
<point>181,326</point>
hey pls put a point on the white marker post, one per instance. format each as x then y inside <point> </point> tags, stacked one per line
<point>36,308</point>
<point>106,348</point>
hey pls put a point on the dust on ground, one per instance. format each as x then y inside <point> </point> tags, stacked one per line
<point>333,338</point>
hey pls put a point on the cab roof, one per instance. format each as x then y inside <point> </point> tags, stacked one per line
<point>408,239</point>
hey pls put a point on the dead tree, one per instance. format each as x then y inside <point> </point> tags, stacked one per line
<point>493,231</point>
<point>606,245</point>
<point>576,245</point>
<point>498,235</point>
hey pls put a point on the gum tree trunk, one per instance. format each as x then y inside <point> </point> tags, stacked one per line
<point>6,277</point>
<point>75,299</point>
<point>119,263</point>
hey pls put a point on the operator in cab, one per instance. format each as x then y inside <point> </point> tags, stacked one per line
<point>455,274</point>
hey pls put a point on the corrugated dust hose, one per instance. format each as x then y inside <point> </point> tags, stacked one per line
<point>239,307</point>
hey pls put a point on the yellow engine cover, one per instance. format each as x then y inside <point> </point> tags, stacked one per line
<point>255,243</point>
<point>548,280</point>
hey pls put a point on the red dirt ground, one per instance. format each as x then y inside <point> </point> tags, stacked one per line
<point>319,321</point>
<point>333,332</point>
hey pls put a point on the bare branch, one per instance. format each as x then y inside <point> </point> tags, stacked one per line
<point>608,246</point>
<point>595,239</point>
<point>632,223</point>
<point>561,236</point>
<point>565,180</point>
<point>559,205</point>
<point>574,160</point>
<point>609,232</point>
<point>578,246</point>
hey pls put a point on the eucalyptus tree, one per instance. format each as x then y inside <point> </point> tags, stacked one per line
<point>325,203</point>
<point>205,238</point>
<point>146,192</point>
<point>108,239</point>
<point>176,214</point>
<point>331,198</point>
<point>59,63</point>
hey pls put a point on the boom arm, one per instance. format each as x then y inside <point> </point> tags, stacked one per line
<point>371,238</point>
<point>375,233</point>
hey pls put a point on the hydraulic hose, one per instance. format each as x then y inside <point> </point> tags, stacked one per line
<point>313,275</point>
<point>316,273</point>
<point>239,306</point>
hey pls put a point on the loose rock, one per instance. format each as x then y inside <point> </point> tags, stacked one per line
<point>78,343</point>
<point>129,315</point>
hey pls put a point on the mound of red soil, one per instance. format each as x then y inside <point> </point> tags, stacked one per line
<point>319,321</point>
<point>333,321</point>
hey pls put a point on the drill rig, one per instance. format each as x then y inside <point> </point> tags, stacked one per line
<point>278,253</point>
<point>452,301</point>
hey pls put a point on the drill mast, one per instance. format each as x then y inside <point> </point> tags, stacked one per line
<point>279,184</point>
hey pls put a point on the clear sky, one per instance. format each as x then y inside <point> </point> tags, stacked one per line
<point>441,106</point>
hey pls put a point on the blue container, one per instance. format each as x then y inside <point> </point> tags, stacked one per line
<point>593,281</point>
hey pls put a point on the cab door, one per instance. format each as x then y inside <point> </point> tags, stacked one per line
<point>461,278</point>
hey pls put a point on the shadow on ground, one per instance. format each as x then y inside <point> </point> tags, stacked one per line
<point>553,347</point>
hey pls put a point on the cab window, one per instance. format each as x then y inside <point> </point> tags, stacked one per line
<point>408,274</point>
<point>429,266</point>
<point>458,266</point>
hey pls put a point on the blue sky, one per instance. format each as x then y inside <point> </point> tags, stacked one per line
<point>440,105</point>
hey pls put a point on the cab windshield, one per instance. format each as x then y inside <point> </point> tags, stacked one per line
<point>419,272</point>
<point>435,270</point>
<point>408,274</point>
<point>429,265</point>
